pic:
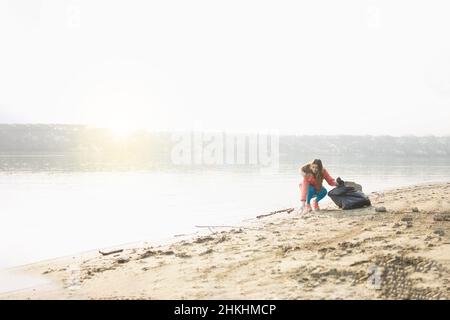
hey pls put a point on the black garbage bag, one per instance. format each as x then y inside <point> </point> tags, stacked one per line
<point>347,197</point>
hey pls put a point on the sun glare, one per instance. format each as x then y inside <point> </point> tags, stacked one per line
<point>122,130</point>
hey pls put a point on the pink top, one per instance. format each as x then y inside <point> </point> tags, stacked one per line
<point>309,179</point>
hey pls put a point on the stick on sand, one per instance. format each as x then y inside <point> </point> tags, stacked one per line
<point>288,210</point>
<point>103,253</point>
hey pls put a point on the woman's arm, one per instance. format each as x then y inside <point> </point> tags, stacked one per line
<point>304,189</point>
<point>329,179</point>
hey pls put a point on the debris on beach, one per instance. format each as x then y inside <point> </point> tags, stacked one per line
<point>203,239</point>
<point>442,217</point>
<point>183,255</point>
<point>122,260</point>
<point>107,253</point>
<point>288,210</point>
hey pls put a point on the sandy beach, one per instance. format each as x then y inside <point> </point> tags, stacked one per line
<point>400,253</point>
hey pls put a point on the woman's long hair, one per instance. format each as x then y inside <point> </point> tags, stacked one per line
<point>319,175</point>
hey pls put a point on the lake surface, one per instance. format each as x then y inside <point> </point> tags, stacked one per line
<point>50,214</point>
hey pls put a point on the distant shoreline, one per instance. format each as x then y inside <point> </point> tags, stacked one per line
<point>267,258</point>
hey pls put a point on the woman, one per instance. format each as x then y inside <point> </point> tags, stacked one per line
<point>312,187</point>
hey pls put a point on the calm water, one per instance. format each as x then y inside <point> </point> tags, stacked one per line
<point>45,215</point>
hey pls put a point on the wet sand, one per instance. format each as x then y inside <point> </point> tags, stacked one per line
<point>403,253</point>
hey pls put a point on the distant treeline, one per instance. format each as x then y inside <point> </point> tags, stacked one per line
<point>47,138</point>
<point>367,146</point>
<point>63,139</point>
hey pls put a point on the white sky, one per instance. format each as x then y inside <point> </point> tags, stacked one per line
<point>306,67</point>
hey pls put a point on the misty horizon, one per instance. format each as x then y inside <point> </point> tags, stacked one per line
<point>126,133</point>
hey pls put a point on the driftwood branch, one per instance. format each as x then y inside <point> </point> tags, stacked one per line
<point>103,253</point>
<point>224,226</point>
<point>210,227</point>
<point>218,226</point>
<point>288,210</point>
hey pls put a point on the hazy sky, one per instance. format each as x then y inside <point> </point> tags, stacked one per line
<point>306,67</point>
